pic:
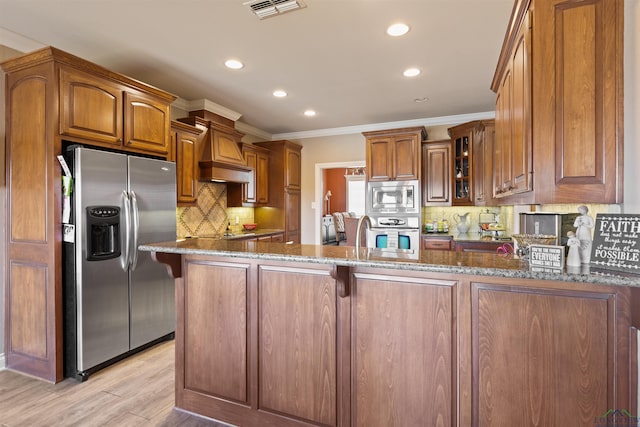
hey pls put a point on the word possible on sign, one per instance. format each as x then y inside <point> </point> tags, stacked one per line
<point>616,242</point>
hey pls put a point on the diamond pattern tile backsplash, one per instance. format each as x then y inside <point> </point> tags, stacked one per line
<point>209,216</point>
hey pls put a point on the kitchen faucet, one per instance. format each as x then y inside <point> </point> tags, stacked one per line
<point>361,221</point>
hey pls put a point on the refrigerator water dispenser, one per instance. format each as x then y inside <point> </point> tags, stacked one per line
<point>103,234</point>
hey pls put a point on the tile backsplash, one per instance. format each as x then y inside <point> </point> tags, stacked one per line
<point>210,215</point>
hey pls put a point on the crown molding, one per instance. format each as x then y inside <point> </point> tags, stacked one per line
<point>251,130</point>
<point>18,42</point>
<point>205,104</point>
<point>347,130</point>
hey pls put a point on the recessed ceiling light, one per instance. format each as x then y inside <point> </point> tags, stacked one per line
<point>398,29</point>
<point>279,93</point>
<point>309,113</point>
<point>411,72</point>
<point>234,64</point>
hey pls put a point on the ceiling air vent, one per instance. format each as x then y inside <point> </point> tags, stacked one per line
<point>266,8</point>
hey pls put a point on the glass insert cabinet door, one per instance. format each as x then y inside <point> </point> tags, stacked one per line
<point>462,170</point>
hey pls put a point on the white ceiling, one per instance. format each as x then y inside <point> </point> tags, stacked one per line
<point>332,56</point>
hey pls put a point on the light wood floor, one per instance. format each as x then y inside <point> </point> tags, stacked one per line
<point>137,391</point>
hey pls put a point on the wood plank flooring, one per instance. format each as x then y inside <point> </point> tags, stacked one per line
<point>138,391</point>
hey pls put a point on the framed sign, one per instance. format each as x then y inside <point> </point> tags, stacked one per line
<point>546,258</point>
<point>616,242</point>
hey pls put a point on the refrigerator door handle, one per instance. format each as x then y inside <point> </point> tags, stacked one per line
<point>135,230</point>
<point>127,231</point>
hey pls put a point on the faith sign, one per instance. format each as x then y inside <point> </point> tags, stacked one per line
<point>616,242</point>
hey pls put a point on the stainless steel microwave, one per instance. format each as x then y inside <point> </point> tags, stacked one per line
<point>393,197</point>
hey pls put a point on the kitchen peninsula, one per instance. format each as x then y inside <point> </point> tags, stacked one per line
<point>287,335</point>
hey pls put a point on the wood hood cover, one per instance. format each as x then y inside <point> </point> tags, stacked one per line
<point>220,158</point>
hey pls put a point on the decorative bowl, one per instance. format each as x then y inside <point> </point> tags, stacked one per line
<point>249,227</point>
<point>524,240</point>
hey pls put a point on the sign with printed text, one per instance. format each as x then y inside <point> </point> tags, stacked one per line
<point>546,258</point>
<point>616,242</point>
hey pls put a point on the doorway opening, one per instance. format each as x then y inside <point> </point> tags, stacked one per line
<point>338,198</point>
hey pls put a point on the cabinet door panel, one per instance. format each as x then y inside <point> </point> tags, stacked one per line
<point>186,162</point>
<point>541,357</point>
<point>405,158</point>
<point>90,107</point>
<point>402,350</point>
<point>262,179</point>
<point>379,160</point>
<point>147,125</point>
<point>249,189</point>
<point>292,170</point>
<point>436,179</point>
<point>218,364</point>
<point>292,223</point>
<point>521,115</point>
<point>297,364</point>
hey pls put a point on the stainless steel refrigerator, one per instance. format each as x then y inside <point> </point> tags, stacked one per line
<point>117,300</point>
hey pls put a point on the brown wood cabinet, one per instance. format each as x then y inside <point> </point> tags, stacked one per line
<point>284,207</point>
<point>319,344</point>
<point>50,96</point>
<point>435,242</point>
<point>468,177</point>
<point>482,158</point>
<point>545,356</point>
<point>273,369</point>
<point>185,148</point>
<point>108,112</point>
<point>255,192</point>
<point>559,108</point>
<point>394,154</point>
<point>436,173</point>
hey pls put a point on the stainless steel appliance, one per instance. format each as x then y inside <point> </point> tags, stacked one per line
<point>394,232</point>
<point>393,197</point>
<point>117,300</point>
<point>548,223</point>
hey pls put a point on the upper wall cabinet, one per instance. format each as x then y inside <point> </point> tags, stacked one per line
<point>394,154</point>
<point>436,173</point>
<point>185,154</point>
<point>110,113</point>
<point>559,109</point>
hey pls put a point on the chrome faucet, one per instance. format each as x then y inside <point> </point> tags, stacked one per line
<point>361,221</point>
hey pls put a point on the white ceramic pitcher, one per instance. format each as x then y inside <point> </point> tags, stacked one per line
<point>461,222</point>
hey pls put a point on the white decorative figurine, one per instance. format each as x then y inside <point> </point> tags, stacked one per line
<point>573,258</point>
<point>584,223</point>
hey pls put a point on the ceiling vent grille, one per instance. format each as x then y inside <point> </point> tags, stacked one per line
<point>266,8</point>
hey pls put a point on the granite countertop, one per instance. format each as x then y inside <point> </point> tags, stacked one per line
<point>239,235</point>
<point>472,263</point>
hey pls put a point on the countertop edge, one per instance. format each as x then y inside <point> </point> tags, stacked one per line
<point>594,278</point>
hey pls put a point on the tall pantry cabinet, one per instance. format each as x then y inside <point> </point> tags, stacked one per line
<point>559,105</point>
<point>52,97</point>
<point>285,208</point>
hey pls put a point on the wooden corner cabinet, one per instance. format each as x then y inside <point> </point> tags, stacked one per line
<point>51,97</point>
<point>284,210</point>
<point>559,107</point>
<point>185,148</point>
<point>436,173</point>
<point>256,192</point>
<point>469,142</point>
<point>394,154</point>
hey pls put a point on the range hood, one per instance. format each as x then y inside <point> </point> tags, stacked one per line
<point>220,158</point>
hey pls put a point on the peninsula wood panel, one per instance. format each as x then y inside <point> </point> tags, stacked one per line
<point>28,311</point>
<point>297,343</point>
<point>403,351</point>
<point>542,357</point>
<point>215,330</point>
